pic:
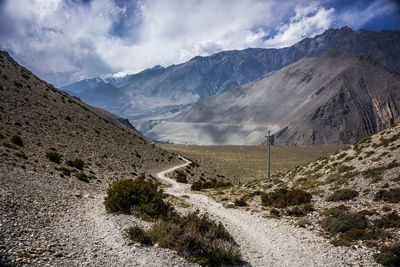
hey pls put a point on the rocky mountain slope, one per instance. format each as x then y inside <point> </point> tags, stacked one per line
<point>336,97</point>
<point>55,154</point>
<point>160,93</point>
<point>355,196</point>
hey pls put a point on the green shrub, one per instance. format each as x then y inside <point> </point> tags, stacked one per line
<point>391,220</point>
<point>281,198</point>
<point>336,210</point>
<point>137,197</point>
<point>137,234</point>
<point>343,222</point>
<point>16,139</point>
<point>342,194</point>
<point>54,156</point>
<point>389,255</point>
<point>198,239</point>
<point>391,196</point>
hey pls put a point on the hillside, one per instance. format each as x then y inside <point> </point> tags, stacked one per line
<point>56,158</point>
<point>355,196</point>
<point>156,94</point>
<point>333,98</point>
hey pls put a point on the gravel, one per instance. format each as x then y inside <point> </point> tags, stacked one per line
<point>271,242</point>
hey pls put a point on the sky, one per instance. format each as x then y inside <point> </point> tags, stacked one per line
<point>63,41</point>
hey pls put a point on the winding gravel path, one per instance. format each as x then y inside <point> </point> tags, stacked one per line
<point>270,242</point>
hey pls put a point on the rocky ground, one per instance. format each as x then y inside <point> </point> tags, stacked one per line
<point>270,242</point>
<point>367,168</point>
<point>47,220</point>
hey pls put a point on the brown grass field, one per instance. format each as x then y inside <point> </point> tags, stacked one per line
<point>245,163</point>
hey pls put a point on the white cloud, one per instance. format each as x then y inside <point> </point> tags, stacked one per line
<point>66,40</point>
<point>307,21</point>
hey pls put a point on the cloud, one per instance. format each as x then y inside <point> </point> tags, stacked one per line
<point>307,21</point>
<point>67,40</point>
<point>358,15</point>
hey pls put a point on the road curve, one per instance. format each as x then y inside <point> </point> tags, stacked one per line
<point>266,241</point>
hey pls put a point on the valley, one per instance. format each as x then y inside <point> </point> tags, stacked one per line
<point>82,186</point>
<point>240,164</point>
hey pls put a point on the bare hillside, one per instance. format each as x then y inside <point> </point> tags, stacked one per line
<point>55,156</point>
<point>351,197</point>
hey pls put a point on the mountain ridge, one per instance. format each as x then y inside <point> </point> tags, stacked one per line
<point>300,104</point>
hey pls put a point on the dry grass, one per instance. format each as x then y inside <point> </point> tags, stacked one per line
<point>245,163</point>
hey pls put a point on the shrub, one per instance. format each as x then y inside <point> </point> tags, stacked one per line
<point>389,255</point>
<point>336,210</point>
<point>137,234</point>
<point>21,155</point>
<point>240,202</point>
<point>345,168</point>
<point>54,156</point>
<point>181,177</point>
<point>197,238</point>
<point>281,198</point>
<point>342,194</point>
<point>16,139</point>
<point>390,221</point>
<point>392,196</point>
<point>82,177</point>
<point>343,222</point>
<point>137,197</point>
<point>17,84</point>
<point>76,163</point>
<point>301,210</point>
<point>198,185</point>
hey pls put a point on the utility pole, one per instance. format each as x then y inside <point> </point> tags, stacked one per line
<point>269,155</point>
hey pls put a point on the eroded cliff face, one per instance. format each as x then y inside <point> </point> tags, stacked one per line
<point>355,111</point>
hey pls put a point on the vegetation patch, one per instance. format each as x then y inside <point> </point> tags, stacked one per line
<point>301,210</point>
<point>342,194</point>
<point>82,177</point>
<point>181,177</point>
<point>138,197</point>
<point>16,139</point>
<point>54,156</point>
<point>76,163</point>
<point>389,255</point>
<point>391,196</point>
<point>336,210</point>
<point>281,198</point>
<point>389,221</point>
<point>342,222</point>
<point>198,239</point>
<point>241,202</point>
<point>199,185</point>
<point>137,234</point>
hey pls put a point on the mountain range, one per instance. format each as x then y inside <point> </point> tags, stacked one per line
<point>150,97</point>
<point>336,97</point>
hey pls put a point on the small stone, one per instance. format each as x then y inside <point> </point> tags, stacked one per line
<point>32,255</point>
<point>137,244</point>
<point>18,259</point>
<point>58,255</point>
<point>230,205</point>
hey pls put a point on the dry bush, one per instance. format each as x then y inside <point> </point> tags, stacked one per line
<point>282,198</point>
